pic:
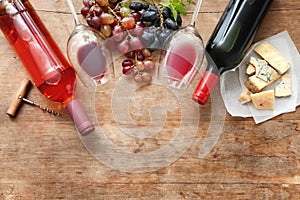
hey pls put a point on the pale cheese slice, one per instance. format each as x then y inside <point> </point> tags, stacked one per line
<point>250,70</point>
<point>245,96</point>
<point>263,100</point>
<point>264,71</point>
<point>255,84</point>
<point>284,89</point>
<point>273,57</point>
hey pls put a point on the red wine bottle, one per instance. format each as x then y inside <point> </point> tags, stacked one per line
<point>230,41</point>
<point>44,61</point>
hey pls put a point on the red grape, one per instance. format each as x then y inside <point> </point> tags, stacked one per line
<point>107,18</point>
<point>123,47</point>
<point>102,3</point>
<point>136,16</point>
<point>138,30</point>
<point>148,65</point>
<point>95,21</point>
<point>118,33</point>
<point>88,3</point>
<point>130,54</point>
<point>136,44</point>
<point>117,19</point>
<point>127,63</point>
<point>84,11</point>
<point>140,57</point>
<point>127,70</point>
<point>97,10</point>
<point>128,22</point>
<point>146,53</point>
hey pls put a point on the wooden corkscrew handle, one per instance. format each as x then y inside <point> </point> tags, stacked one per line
<point>17,101</point>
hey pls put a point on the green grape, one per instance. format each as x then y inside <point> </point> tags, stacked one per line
<point>126,3</point>
<point>124,11</point>
<point>106,30</point>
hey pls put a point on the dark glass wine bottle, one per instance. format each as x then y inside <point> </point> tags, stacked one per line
<point>230,41</point>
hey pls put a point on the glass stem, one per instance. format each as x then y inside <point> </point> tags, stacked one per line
<point>196,11</point>
<point>71,6</point>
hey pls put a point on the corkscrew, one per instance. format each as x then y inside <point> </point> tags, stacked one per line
<point>20,97</point>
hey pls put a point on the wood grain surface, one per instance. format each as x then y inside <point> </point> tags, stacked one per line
<point>42,156</point>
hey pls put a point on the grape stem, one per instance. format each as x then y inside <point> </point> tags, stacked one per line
<point>114,13</point>
<point>159,11</point>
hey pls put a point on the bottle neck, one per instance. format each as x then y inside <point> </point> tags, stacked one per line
<point>207,82</point>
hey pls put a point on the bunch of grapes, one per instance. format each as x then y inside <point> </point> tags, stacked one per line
<point>135,29</point>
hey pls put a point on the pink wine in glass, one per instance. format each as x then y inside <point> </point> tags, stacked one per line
<point>182,59</point>
<point>42,58</point>
<point>92,60</point>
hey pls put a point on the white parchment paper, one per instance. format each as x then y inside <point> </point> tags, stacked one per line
<point>232,82</point>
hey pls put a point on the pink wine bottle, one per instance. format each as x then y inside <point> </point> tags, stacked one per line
<point>230,41</point>
<point>44,61</point>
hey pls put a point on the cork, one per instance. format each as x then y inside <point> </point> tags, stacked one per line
<point>17,100</point>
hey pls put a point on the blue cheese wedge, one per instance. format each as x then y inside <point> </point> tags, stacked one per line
<point>263,100</point>
<point>284,89</point>
<point>264,71</point>
<point>273,57</point>
<point>257,62</point>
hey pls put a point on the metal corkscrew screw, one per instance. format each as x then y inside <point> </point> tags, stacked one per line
<point>45,109</point>
<point>20,97</point>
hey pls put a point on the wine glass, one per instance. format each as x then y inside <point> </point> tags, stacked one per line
<point>184,52</point>
<point>87,53</point>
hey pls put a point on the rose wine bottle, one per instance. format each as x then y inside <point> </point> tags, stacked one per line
<point>44,61</point>
<point>230,41</point>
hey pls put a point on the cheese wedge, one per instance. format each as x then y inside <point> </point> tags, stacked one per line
<point>264,71</point>
<point>245,96</point>
<point>257,62</point>
<point>284,89</point>
<point>250,70</point>
<point>255,84</point>
<point>273,57</point>
<point>263,100</point>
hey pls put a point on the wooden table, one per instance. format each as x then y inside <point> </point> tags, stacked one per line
<point>42,156</point>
